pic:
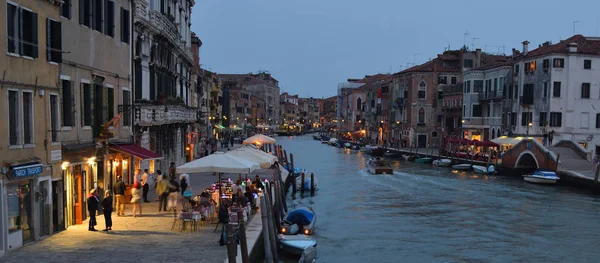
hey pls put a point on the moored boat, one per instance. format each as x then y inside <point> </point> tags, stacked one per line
<point>299,221</point>
<point>307,182</point>
<point>391,153</point>
<point>483,170</point>
<point>317,137</point>
<point>296,244</point>
<point>462,167</point>
<point>541,177</point>
<point>379,166</point>
<point>442,162</point>
<point>423,160</point>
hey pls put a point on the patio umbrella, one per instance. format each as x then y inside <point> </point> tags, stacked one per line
<point>490,143</point>
<point>252,155</point>
<point>259,139</point>
<point>478,143</point>
<point>464,141</point>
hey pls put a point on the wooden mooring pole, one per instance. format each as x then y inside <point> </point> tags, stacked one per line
<point>265,229</point>
<point>243,240</point>
<point>293,175</point>
<point>302,183</point>
<point>231,244</point>
<point>312,183</point>
<point>272,228</point>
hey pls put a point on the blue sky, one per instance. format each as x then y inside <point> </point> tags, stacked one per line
<point>311,45</point>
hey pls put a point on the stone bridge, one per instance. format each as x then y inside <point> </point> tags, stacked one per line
<point>529,154</point>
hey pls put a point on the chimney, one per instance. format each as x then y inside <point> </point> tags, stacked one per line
<point>572,47</point>
<point>477,58</point>
<point>514,52</point>
<point>525,47</point>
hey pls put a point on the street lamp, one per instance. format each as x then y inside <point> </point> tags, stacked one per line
<point>529,125</point>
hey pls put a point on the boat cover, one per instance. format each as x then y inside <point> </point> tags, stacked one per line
<point>300,216</point>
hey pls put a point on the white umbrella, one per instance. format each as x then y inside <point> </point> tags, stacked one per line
<point>219,162</point>
<point>259,139</point>
<point>263,161</point>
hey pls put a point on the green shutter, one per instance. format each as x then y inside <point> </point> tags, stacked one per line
<point>104,104</point>
<point>34,37</point>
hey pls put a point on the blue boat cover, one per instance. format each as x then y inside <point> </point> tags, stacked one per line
<point>300,216</point>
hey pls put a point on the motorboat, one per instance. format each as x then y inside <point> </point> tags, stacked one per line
<point>379,166</point>
<point>307,182</point>
<point>462,167</point>
<point>316,137</point>
<point>347,145</point>
<point>424,160</point>
<point>541,177</point>
<point>296,244</point>
<point>299,221</point>
<point>332,141</point>
<point>391,153</point>
<point>442,162</point>
<point>483,170</point>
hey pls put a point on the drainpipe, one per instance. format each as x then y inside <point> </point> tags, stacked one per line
<point>131,73</point>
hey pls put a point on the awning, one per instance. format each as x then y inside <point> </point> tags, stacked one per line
<point>504,140</point>
<point>135,150</point>
<point>218,126</point>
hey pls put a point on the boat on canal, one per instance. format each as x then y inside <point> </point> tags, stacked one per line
<point>483,170</point>
<point>307,182</point>
<point>389,153</point>
<point>296,244</point>
<point>424,160</point>
<point>442,162</point>
<point>379,166</point>
<point>296,229</point>
<point>541,177</point>
<point>462,167</point>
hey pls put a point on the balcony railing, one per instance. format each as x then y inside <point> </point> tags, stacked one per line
<point>492,95</point>
<point>149,115</point>
<point>452,89</point>
<point>485,121</point>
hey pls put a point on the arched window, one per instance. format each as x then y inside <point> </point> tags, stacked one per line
<point>422,90</point>
<point>493,133</point>
<point>358,103</point>
<point>421,117</point>
<point>138,47</point>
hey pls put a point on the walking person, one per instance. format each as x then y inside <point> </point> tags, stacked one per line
<point>183,179</point>
<point>173,194</point>
<point>119,190</point>
<point>92,206</point>
<point>136,198</point>
<point>161,191</point>
<point>551,137</point>
<point>172,171</point>
<point>107,207</point>
<point>145,186</point>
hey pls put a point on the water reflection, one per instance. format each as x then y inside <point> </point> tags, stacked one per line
<point>433,214</point>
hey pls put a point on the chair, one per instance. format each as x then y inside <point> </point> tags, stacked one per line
<point>188,218</point>
<point>176,220</point>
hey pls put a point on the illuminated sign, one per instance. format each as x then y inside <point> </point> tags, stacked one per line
<point>27,170</point>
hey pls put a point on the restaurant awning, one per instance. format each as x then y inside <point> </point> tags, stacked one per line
<point>505,140</point>
<point>135,150</point>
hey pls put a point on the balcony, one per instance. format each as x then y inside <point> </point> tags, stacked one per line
<point>492,95</point>
<point>456,108</point>
<point>150,115</point>
<point>452,90</point>
<point>168,28</point>
<point>481,121</point>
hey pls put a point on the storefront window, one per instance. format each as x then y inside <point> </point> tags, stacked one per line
<point>20,209</point>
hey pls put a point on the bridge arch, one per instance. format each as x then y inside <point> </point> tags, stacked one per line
<point>527,159</point>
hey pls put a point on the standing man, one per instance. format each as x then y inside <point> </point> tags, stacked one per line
<point>92,206</point>
<point>161,191</point>
<point>120,196</point>
<point>145,186</point>
<point>172,171</point>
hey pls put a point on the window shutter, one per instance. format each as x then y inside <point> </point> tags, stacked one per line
<point>82,102</point>
<point>104,104</point>
<point>121,24</point>
<point>48,39</point>
<point>56,42</point>
<point>92,105</point>
<point>73,104</point>
<point>20,29</point>
<point>34,37</point>
<point>81,11</point>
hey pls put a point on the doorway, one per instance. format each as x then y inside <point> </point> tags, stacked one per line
<point>43,200</point>
<point>422,141</point>
<point>78,196</point>
<point>58,219</point>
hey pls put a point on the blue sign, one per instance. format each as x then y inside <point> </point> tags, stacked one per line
<point>529,144</point>
<point>27,170</point>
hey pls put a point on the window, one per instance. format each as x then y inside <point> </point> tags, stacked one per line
<point>555,119</point>
<point>453,80</point>
<point>545,90</point>
<point>358,103</point>
<point>532,66</point>
<point>528,90</point>
<point>546,64</point>
<point>434,134</point>
<point>442,80</point>
<point>97,15</point>
<point>422,90</point>
<point>22,31</point>
<point>110,103</point>
<point>124,25</point>
<point>513,119</point>
<point>585,90</point>
<point>68,104</point>
<point>517,69</point>
<point>109,19</point>
<point>421,117</point>
<point>556,90</point>
<point>65,9</point>
<point>558,63</point>
<point>53,41</point>
<point>476,110</point>
<point>526,118</point>
<point>543,119</point>
<point>14,119</point>
<point>19,201</point>
<point>468,63</point>
<point>85,12</point>
<point>54,122</point>
<point>587,64</point>
<point>478,86</point>
<point>87,104</point>
<point>27,118</point>
<point>127,115</point>
<point>597,124</point>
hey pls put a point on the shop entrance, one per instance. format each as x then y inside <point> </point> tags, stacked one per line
<point>78,195</point>
<point>42,198</point>
<point>58,218</point>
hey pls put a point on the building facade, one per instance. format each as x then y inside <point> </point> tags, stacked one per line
<point>483,97</point>
<point>165,118</point>
<point>290,113</point>
<point>30,143</point>
<point>555,89</point>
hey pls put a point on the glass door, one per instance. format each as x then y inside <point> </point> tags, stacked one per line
<point>43,201</point>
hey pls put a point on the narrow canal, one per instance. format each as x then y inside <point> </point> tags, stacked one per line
<point>427,214</point>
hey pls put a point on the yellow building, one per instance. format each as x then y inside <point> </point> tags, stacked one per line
<point>30,146</point>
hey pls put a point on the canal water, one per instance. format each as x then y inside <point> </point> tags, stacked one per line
<point>427,214</point>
